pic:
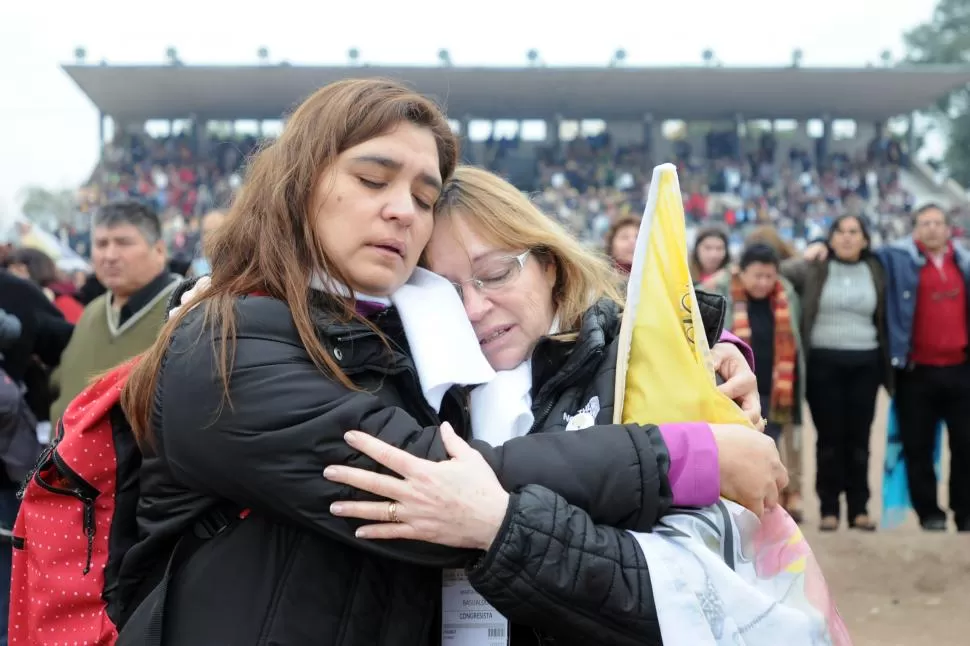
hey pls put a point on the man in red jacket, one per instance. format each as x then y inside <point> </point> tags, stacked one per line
<point>934,383</point>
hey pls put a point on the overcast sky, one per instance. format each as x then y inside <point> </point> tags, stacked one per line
<point>50,128</point>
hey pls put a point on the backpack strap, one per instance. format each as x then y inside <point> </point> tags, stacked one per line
<point>211,525</point>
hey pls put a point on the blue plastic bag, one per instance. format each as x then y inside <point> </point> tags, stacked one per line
<point>896,504</point>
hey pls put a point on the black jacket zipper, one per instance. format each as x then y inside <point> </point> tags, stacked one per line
<point>551,391</point>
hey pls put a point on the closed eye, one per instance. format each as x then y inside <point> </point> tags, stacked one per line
<point>369,184</point>
<point>496,276</point>
<point>421,203</point>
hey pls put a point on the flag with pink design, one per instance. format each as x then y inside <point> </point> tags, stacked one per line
<point>723,577</point>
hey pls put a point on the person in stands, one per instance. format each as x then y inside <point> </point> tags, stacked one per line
<point>37,266</point>
<point>621,240</point>
<point>210,222</point>
<point>316,323</point>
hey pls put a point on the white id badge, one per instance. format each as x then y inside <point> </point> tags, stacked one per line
<point>466,618</point>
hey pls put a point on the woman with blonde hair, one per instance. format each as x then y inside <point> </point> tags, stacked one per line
<point>546,314</point>
<point>316,323</point>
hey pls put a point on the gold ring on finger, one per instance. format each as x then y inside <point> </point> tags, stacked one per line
<point>392,513</point>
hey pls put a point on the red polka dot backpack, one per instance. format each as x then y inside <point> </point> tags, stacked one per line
<point>76,521</point>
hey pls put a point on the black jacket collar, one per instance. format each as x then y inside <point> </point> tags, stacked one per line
<point>557,363</point>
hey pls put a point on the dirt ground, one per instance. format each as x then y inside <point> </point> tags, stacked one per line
<point>898,588</point>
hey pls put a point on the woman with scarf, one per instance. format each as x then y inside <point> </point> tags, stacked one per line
<point>764,311</point>
<point>313,325</point>
<point>547,318</point>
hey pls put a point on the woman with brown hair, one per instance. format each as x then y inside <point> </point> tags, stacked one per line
<point>768,234</point>
<point>620,241</point>
<point>710,258</point>
<point>307,331</point>
<point>843,326</point>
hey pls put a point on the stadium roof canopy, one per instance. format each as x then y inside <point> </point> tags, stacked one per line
<point>618,93</point>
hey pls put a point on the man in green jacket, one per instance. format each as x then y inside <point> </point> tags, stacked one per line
<point>130,261</point>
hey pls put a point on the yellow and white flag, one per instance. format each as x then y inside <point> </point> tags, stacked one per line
<point>664,372</point>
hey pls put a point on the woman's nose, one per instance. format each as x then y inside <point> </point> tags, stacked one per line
<point>401,207</point>
<point>476,303</point>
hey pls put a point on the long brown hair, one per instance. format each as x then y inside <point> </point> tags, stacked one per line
<point>267,243</point>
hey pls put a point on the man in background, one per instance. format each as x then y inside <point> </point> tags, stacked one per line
<point>927,305</point>
<point>129,259</point>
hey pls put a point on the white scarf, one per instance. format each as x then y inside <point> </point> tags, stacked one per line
<point>323,283</point>
<point>443,344</point>
<point>502,408</point>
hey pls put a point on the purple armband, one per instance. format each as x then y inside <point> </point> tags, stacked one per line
<point>694,475</point>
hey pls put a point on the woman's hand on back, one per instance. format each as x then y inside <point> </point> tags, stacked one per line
<point>457,502</point>
<point>751,471</point>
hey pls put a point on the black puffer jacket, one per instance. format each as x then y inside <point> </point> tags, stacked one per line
<point>291,573</point>
<point>561,577</point>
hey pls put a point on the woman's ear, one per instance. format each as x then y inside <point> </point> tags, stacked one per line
<point>550,268</point>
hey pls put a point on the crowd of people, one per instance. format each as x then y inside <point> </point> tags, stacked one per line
<point>587,184</point>
<point>243,423</point>
<point>830,329</point>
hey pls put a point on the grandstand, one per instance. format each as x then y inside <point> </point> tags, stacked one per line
<point>788,144</point>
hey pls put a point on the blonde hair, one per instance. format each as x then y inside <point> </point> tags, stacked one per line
<point>504,217</point>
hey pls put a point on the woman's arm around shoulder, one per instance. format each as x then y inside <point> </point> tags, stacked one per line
<point>796,270</point>
<point>618,473</point>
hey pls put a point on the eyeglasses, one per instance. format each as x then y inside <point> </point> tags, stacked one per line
<point>496,275</point>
